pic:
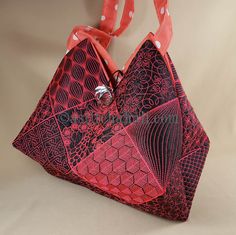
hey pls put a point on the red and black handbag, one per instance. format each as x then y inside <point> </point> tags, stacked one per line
<point>128,134</point>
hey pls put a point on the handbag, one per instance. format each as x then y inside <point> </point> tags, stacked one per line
<point>129,134</point>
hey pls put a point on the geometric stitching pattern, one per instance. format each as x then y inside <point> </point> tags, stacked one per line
<point>146,84</point>
<point>192,166</point>
<point>76,78</point>
<point>172,204</point>
<point>82,137</point>
<point>117,167</point>
<point>194,134</point>
<point>44,144</point>
<point>42,111</point>
<point>159,139</point>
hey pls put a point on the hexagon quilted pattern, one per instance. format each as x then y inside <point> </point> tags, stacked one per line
<point>117,167</point>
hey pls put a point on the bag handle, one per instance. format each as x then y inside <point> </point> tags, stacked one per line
<point>109,14</point>
<point>105,32</point>
<point>164,32</point>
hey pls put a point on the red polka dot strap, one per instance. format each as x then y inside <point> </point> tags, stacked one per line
<point>108,19</point>
<point>164,32</point>
<point>109,15</point>
<point>130,134</point>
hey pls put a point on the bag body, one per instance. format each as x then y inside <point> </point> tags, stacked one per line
<point>134,138</point>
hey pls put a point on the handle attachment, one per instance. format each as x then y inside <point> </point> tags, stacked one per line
<point>109,14</point>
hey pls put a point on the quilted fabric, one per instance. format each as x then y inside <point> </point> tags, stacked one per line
<point>151,165</point>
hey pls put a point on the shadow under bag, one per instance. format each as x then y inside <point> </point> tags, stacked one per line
<point>128,134</point>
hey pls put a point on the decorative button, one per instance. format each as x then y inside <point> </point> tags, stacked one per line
<point>104,95</point>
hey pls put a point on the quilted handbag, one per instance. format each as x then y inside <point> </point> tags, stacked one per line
<point>129,134</point>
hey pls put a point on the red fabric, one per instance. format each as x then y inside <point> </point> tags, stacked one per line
<point>109,15</point>
<point>108,18</point>
<point>146,148</point>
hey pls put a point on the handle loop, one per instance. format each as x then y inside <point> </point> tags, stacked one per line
<point>109,14</point>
